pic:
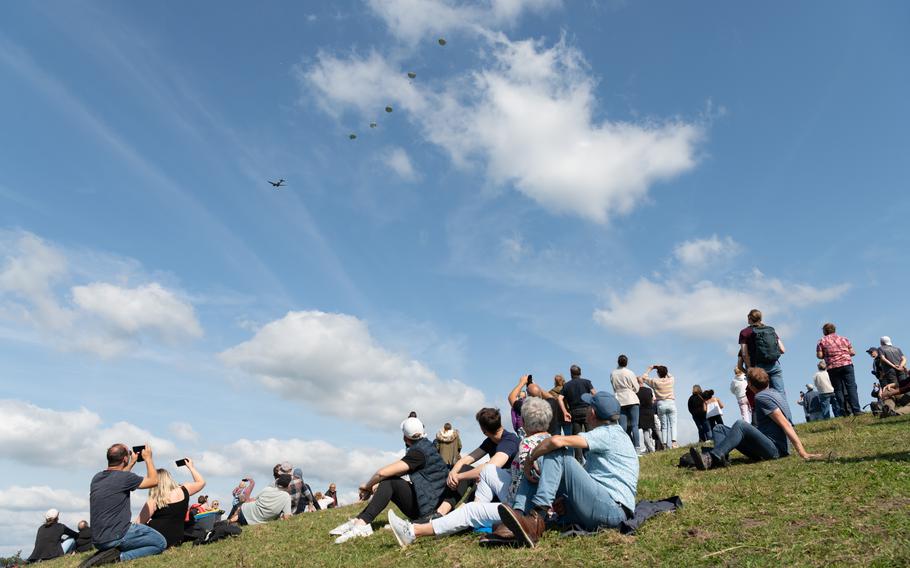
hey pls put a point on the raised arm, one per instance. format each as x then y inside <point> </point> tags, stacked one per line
<point>198,482</point>
<point>151,474</point>
<point>513,395</point>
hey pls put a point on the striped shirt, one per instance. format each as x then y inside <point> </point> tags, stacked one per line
<point>836,350</point>
<point>663,388</point>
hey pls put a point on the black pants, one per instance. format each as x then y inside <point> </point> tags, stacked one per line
<point>394,490</point>
<point>453,496</point>
<point>579,425</point>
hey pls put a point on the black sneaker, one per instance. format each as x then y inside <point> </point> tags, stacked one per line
<point>702,460</point>
<point>109,556</point>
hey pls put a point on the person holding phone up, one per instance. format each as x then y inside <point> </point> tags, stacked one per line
<point>167,507</point>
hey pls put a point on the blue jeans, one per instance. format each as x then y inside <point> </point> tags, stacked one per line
<point>628,419</point>
<point>744,437</point>
<point>588,503</point>
<point>567,429</point>
<point>704,429</point>
<point>666,412</point>
<point>776,375</point>
<point>826,404</point>
<point>138,541</point>
<point>68,545</point>
<point>843,379</point>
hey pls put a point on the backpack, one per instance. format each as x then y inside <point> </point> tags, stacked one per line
<point>767,350</point>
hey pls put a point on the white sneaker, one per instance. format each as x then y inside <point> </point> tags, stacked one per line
<point>356,531</point>
<point>402,529</point>
<point>342,528</point>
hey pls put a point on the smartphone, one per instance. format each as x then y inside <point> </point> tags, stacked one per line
<point>181,463</point>
<point>138,451</point>
<point>530,378</point>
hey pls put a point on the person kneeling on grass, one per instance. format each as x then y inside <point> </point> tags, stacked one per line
<point>494,484</point>
<point>599,494</point>
<point>415,483</point>
<point>767,440</point>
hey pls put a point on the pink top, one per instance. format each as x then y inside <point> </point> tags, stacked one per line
<point>836,350</point>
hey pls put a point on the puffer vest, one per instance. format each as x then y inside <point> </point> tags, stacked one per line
<point>430,480</point>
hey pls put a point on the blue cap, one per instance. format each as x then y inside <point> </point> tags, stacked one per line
<point>605,404</point>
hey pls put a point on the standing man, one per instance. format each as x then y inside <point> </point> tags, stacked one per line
<point>825,391</point>
<point>760,346</point>
<point>109,505</point>
<point>578,409</point>
<point>625,388</point>
<point>892,362</point>
<point>837,351</point>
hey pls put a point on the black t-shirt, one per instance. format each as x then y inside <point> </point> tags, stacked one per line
<point>415,459</point>
<point>697,407</point>
<point>573,390</point>
<point>169,520</point>
<point>508,445</point>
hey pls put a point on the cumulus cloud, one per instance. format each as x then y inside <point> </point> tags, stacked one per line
<point>184,431</point>
<point>41,498</point>
<point>319,460</point>
<point>528,117</point>
<point>413,20</point>
<point>99,317</point>
<point>44,437</point>
<point>700,252</point>
<point>333,364</point>
<point>705,309</point>
<point>397,160</point>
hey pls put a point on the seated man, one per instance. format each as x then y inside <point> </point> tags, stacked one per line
<point>767,440</point>
<point>272,504</point>
<point>895,399</point>
<point>494,484</point>
<point>599,494</point>
<point>84,539</point>
<point>414,483</point>
<point>109,504</point>
<point>501,447</point>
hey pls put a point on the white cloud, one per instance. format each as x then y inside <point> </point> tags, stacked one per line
<point>332,363</point>
<point>184,431</point>
<point>411,21</point>
<point>527,117</point>
<point>44,437</point>
<point>699,252</point>
<point>319,460</point>
<point>100,317</point>
<point>41,498</point>
<point>705,309</point>
<point>397,160</point>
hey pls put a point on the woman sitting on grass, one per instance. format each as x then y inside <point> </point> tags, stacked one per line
<point>168,504</point>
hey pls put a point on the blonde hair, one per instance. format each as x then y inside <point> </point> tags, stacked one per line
<point>160,494</point>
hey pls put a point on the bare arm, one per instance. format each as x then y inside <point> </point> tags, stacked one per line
<point>513,396</point>
<point>780,345</point>
<point>820,355</point>
<point>151,474</point>
<point>778,417</point>
<point>455,476</point>
<point>562,406</point>
<point>198,481</point>
<point>147,511</point>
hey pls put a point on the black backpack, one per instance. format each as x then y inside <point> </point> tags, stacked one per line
<point>767,350</point>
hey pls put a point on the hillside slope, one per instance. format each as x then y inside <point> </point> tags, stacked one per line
<point>852,509</point>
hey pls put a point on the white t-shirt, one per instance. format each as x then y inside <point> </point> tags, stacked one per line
<point>823,383</point>
<point>714,410</point>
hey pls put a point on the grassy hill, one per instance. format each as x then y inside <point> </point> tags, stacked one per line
<point>852,509</point>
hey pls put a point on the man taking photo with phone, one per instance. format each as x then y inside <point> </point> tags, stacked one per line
<point>109,505</point>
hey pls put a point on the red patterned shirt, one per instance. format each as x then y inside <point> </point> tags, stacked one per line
<point>836,350</point>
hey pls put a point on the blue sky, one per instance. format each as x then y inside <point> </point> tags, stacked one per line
<point>561,182</point>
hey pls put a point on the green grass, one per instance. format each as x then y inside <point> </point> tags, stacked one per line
<point>852,509</point>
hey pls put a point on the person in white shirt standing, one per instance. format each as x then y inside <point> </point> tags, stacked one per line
<point>738,388</point>
<point>825,389</point>
<point>625,387</point>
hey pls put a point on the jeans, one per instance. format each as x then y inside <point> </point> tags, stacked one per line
<point>744,437</point>
<point>494,483</point>
<point>567,429</point>
<point>588,503</point>
<point>666,411</point>
<point>776,375</point>
<point>138,541</point>
<point>825,400</point>
<point>704,429</point>
<point>68,545</point>
<point>843,379</point>
<point>647,438</point>
<point>470,515</point>
<point>628,419</point>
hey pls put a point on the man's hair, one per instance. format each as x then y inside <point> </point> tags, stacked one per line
<point>828,328</point>
<point>536,415</point>
<point>116,454</point>
<point>283,481</point>
<point>82,524</point>
<point>489,420</point>
<point>822,365</point>
<point>754,316</point>
<point>447,426</point>
<point>575,371</point>
<point>276,471</point>
<point>622,361</point>
<point>662,371</point>
<point>534,390</point>
<point>758,378</point>
<point>412,414</point>
<point>202,499</point>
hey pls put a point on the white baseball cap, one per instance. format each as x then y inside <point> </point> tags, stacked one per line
<point>885,340</point>
<point>412,428</point>
<point>51,514</point>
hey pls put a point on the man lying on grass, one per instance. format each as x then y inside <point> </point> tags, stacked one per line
<point>599,494</point>
<point>767,440</point>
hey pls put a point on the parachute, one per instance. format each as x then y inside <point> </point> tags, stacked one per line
<point>442,41</point>
<point>352,136</point>
<point>412,75</point>
<point>388,109</point>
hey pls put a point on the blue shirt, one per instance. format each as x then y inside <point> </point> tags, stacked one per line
<point>766,402</point>
<point>613,462</point>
